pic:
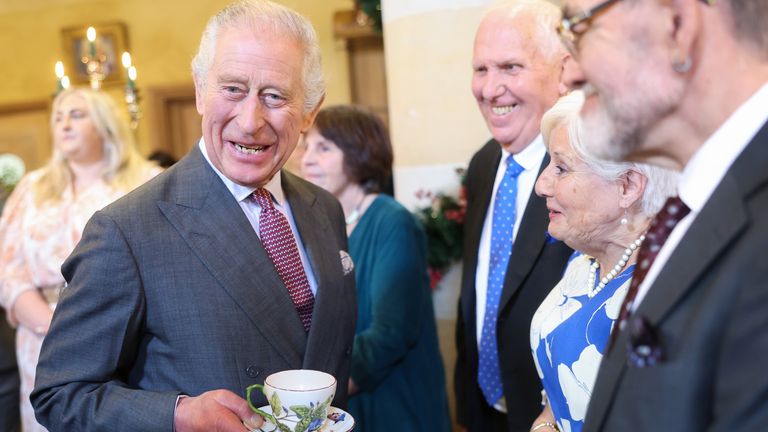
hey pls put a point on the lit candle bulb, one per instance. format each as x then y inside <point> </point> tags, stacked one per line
<point>91,35</point>
<point>127,66</point>
<point>126,60</point>
<point>59,74</point>
<point>59,69</point>
<point>132,77</point>
<point>65,82</point>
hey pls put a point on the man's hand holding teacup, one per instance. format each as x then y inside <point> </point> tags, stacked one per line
<point>215,411</point>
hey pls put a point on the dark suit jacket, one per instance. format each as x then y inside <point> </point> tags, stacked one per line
<point>709,306</point>
<point>535,267</point>
<point>170,291</point>
<point>9,378</point>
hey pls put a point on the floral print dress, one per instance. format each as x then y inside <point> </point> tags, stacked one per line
<point>569,334</point>
<point>34,242</point>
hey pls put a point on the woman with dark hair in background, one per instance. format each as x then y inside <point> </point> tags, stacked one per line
<point>397,380</point>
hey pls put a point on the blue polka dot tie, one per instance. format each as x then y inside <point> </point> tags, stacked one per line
<point>504,213</point>
<point>276,236</point>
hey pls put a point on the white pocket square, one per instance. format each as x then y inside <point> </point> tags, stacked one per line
<point>346,262</point>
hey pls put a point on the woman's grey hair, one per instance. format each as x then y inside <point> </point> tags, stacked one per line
<point>265,16</point>
<point>662,182</point>
<point>544,15</point>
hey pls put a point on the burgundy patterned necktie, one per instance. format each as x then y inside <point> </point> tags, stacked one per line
<point>661,226</point>
<point>277,238</point>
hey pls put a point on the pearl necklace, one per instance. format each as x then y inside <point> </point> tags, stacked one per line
<point>592,290</point>
<point>355,215</point>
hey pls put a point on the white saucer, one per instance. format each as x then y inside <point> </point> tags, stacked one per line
<point>343,423</point>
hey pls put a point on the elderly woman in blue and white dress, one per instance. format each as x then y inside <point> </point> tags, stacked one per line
<point>600,209</point>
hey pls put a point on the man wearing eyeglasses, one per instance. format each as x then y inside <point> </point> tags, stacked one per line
<point>509,266</point>
<point>684,83</point>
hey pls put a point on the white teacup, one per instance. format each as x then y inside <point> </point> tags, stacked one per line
<point>299,398</point>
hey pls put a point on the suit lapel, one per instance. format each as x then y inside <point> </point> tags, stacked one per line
<point>706,239</point>
<point>322,248</point>
<point>720,222</point>
<point>481,193</point>
<point>528,244</point>
<point>213,225</point>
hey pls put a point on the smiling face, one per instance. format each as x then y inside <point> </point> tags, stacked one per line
<point>252,104</point>
<point>323,163</point>
<point>74,133</point>
<point>584,208</point>
<point>512,81</point>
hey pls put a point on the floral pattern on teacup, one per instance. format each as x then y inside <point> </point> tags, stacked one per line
<point>296,418</point>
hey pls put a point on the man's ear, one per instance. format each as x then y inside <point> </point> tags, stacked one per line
<point>632,186</point>
<point>309,118</point>
<point>684,25</point>
<point>199,95</point>
<point>566,61</point>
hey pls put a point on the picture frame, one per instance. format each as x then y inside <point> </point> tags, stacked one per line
<point>111,41</point>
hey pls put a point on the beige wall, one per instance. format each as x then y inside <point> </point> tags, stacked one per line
<point>434,118</point>
<point>163,36</point>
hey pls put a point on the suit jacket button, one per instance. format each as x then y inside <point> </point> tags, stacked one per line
<point>348,352</point>
<point>252,371</point>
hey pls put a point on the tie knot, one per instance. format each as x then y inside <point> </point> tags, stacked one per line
<point>263,198</point>
<point>673,211</point>
<point>513,168</point>
<point>661,227</point>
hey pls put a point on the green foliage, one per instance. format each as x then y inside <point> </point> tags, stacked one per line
<point>443,223</point>
<point>372,8</point>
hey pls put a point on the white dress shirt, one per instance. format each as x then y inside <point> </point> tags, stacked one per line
<point>706,169</point>
<point>252,210</point>
<point>530,159</point>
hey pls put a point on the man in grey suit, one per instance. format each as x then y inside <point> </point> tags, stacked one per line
<point>174,304</point>
<point>684,84</point>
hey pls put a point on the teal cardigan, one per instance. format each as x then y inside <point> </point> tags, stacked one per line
<point>396,359</point>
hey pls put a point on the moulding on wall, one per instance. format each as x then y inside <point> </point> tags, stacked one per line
<point>348,25</point>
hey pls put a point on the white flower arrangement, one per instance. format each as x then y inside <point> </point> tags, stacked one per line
<point>11,170</point>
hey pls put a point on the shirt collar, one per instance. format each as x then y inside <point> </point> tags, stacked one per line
<point>530,157</point>
<point>241,192</point>
<point>709,164</point>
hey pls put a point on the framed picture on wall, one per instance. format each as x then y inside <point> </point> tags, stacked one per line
<point>110,43</point>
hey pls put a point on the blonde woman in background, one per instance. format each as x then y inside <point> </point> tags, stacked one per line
<point>94,162</point>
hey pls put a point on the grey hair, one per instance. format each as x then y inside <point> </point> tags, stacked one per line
<point>661,182</point>
<point>545,17</point>
<point>748,19</point>
<point>263,15</point>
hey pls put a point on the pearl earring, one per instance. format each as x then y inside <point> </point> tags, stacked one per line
<point>624,221</point>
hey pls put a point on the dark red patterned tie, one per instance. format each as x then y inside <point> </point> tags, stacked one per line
<point>661,226</point>
<point>277,238</point>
